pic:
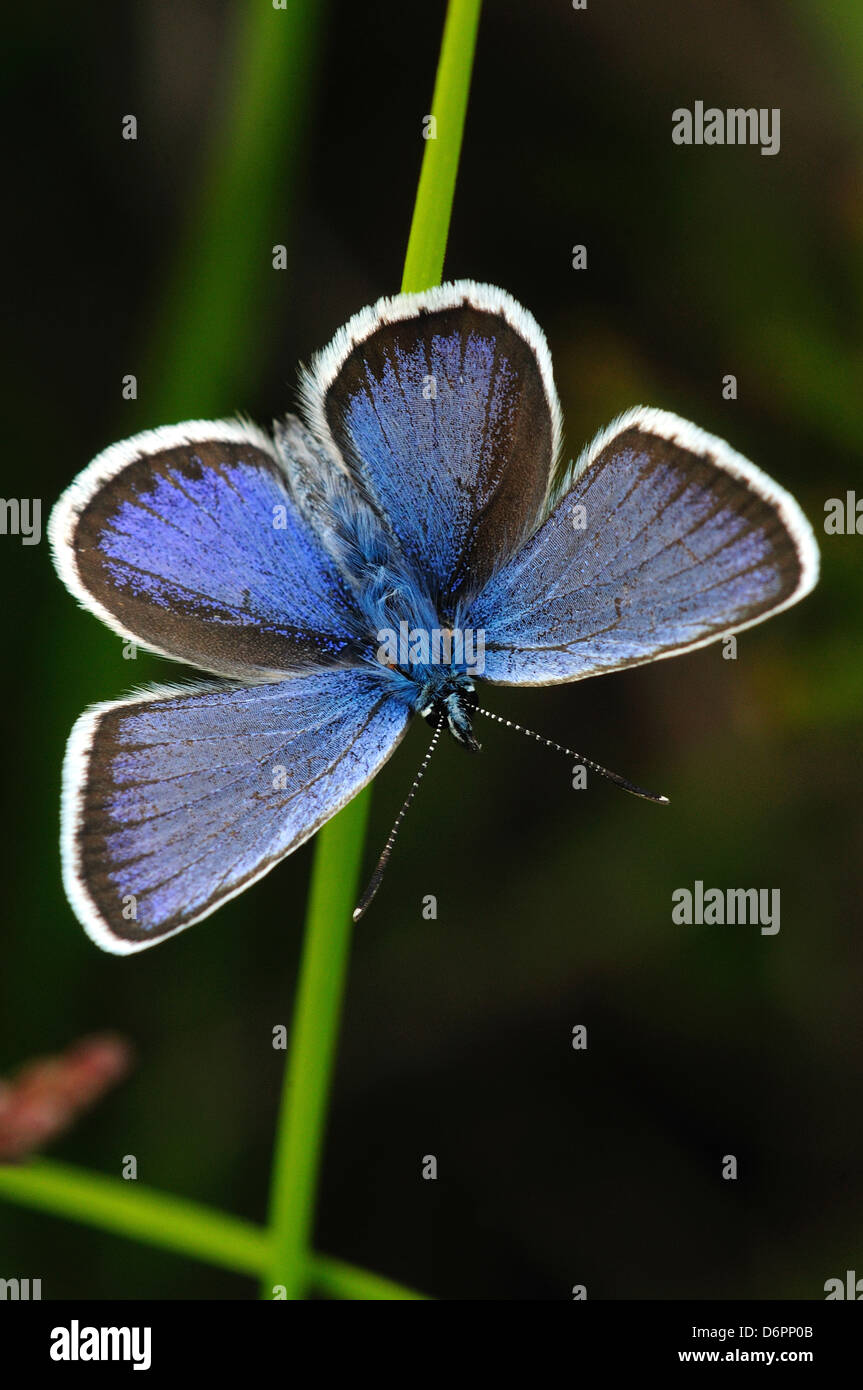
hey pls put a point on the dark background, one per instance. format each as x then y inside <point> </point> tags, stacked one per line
<point>556,1167</point>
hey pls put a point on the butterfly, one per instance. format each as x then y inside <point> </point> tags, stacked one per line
<point>411,536</point>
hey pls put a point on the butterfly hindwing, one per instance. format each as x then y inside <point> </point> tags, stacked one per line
<point>666,540</point>
<point>443,407</point>
<point>176,802</point>
<point>186,539</point>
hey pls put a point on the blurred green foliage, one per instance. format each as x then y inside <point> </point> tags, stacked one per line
<point>556,1167</point>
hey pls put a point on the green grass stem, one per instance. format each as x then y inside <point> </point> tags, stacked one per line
<point>207,329</point>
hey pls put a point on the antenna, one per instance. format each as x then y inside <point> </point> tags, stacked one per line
<point>374,882</point>
<point>614,777</point>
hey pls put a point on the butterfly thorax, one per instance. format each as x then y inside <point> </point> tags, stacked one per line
<point>437,689</point>
<point>428,660</point>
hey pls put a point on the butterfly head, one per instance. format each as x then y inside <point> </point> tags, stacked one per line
<point>451,697</point>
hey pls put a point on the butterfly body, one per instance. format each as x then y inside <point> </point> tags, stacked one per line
<point>401,631</point>
<point>410,537</point>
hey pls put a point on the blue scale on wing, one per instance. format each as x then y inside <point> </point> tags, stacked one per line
<point>653,549</point>
<point>189,797</point>
<point>444,421</point>
<point>201,552</point>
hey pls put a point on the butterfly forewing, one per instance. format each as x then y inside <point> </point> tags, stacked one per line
<point>666,540</point>
<point>443,407</point>
<point>187,540</point>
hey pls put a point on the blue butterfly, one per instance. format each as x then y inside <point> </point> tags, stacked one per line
<point>371,563</point>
